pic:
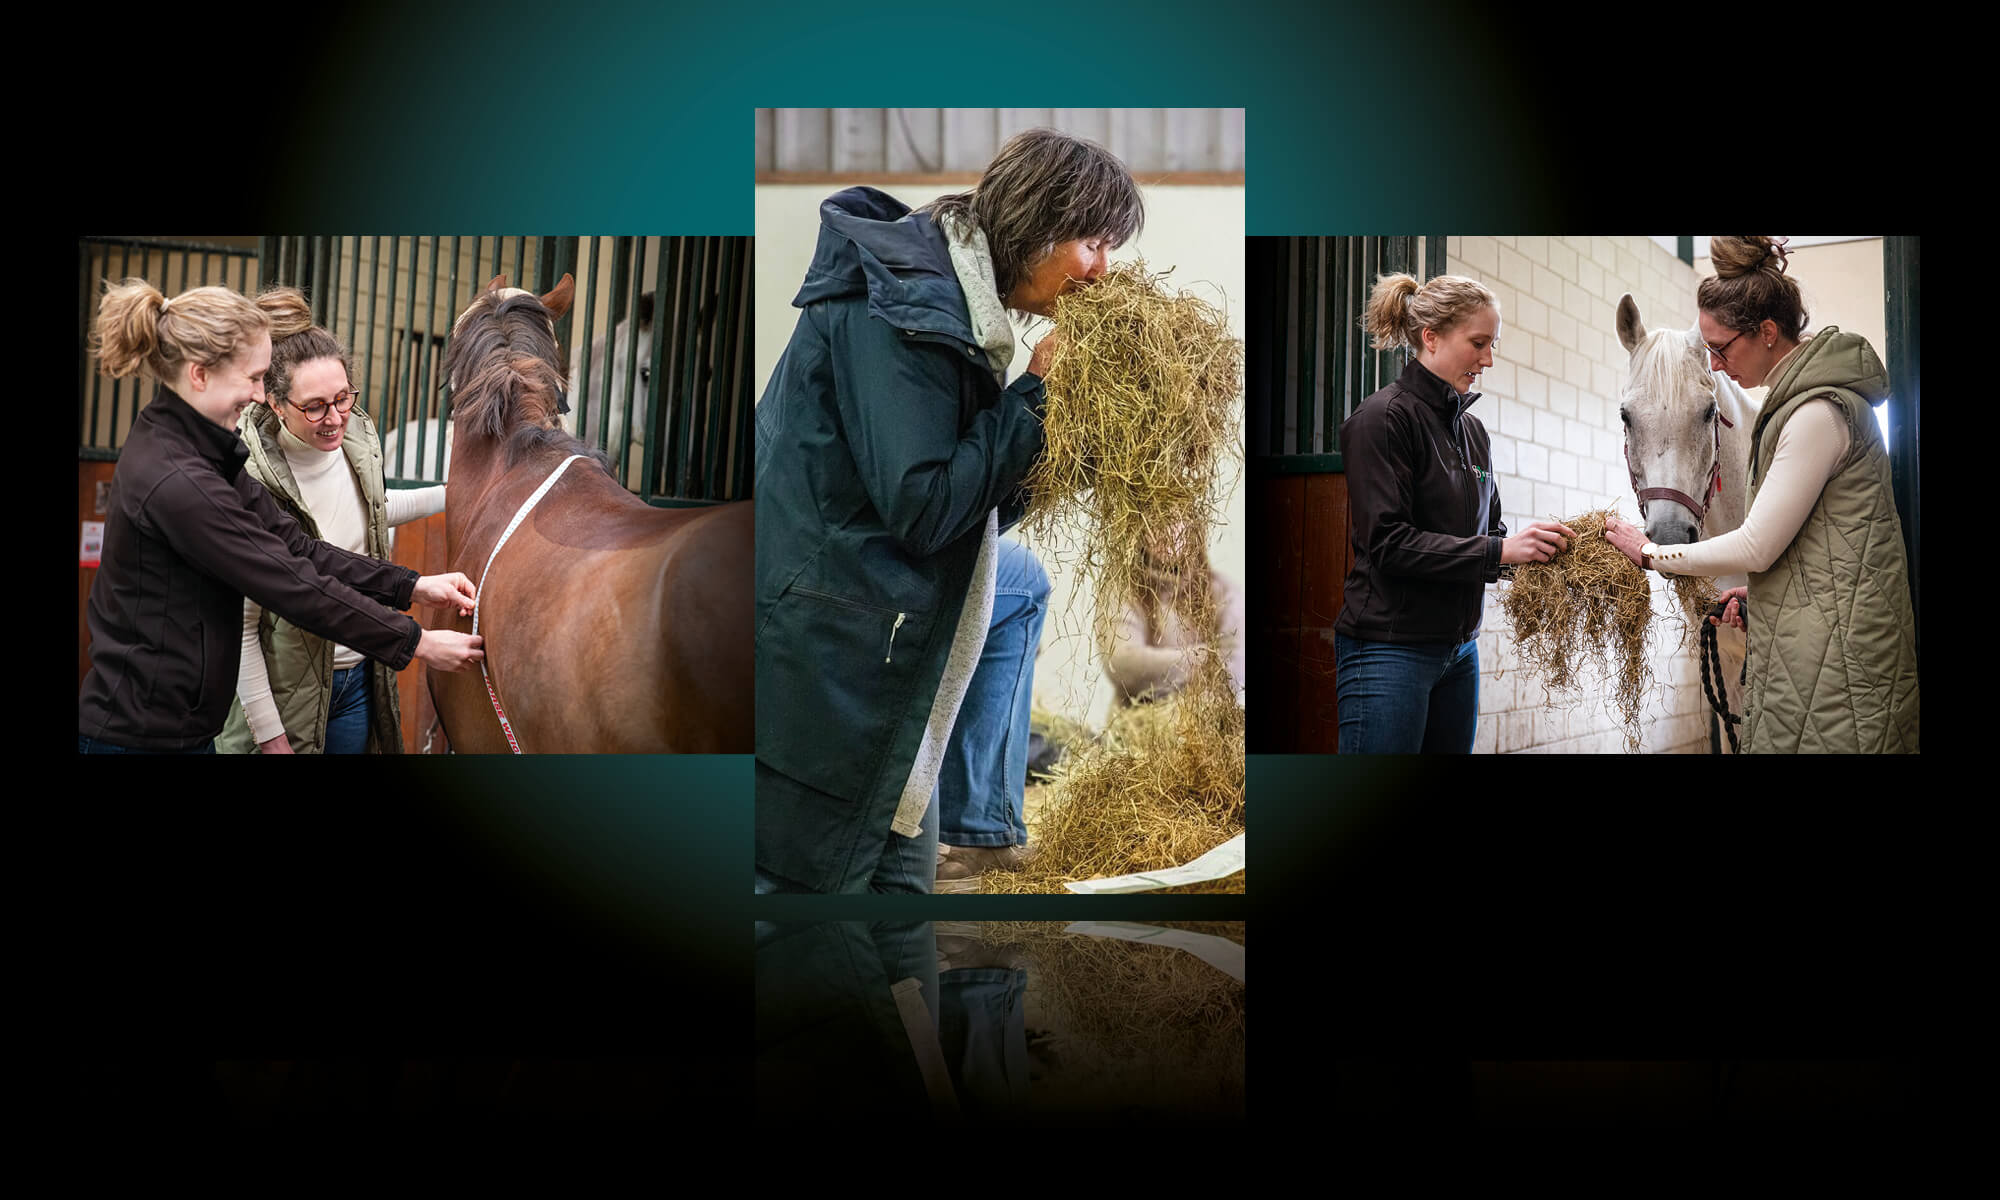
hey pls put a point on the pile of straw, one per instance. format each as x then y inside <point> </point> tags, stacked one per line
<point>1590,604</point>
<point>1161,786</point>
<point>1140,428</point>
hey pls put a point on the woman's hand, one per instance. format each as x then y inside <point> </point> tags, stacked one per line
<point>1045,353</point>
<point>1732,611</point>
<point>1629,539</point>
<point>445,591</point>
<point>1539,542</point>
<point>450,650</point>
<point>277,745</point>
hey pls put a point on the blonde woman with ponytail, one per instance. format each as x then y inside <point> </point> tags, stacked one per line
<point>1424,521</point>
<point>312,445</point>
<point>190,535</point>
<point>1832,661</point>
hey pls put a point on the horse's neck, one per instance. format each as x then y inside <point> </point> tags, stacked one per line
<point>1728,510</point>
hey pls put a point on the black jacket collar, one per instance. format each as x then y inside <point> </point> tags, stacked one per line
<point>1435,392</point>
<point>211,441</point>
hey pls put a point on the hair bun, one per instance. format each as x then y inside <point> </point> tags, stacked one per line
<point>1737,256</point>
<point>288,309</point>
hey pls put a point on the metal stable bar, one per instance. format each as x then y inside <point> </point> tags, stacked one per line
<point>1302,350</point>
<point>581,400</point>
<point>620,261</point>
<point>429,344</point>
<point>722,390</point>
<point>687,362</point>
<point>635,281</point>
<point>367,329</point>
<point>672,265</point>
<point>1338,398</point>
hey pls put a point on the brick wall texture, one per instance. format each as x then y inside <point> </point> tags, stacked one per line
<point>1551,406</point>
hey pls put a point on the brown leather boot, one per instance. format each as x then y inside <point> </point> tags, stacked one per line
<point>959,867</point>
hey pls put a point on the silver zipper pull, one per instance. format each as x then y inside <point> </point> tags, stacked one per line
<point>892,636</point>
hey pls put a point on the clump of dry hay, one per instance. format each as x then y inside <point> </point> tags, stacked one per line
<point>1590,603</point>
<point>1140,426</point>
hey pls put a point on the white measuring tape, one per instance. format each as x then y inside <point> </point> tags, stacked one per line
<point>512,525</point>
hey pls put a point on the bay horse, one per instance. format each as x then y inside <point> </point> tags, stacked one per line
<point>1687,449</point>
<point>610,626</point>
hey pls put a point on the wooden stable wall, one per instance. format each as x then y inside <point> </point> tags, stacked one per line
<point>419,545</point>
<point>1302,524</point>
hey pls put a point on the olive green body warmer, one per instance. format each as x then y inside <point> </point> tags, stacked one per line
<point>300,664</point>
<point>1832,663</point>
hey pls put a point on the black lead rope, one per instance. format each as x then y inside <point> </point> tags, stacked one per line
<point>1718,697</point>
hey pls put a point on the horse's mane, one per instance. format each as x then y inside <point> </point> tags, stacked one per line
<point>504,354</point>
<point>1665,365</point>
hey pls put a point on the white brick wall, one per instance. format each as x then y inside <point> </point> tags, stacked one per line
<point>1551,405</point>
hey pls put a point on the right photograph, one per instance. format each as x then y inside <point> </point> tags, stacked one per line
<point>1584,494</point>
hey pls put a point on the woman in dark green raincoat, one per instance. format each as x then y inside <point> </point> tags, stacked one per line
<point>890,450</point>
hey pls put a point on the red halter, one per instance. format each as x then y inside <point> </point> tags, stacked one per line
<point>1699,509</point>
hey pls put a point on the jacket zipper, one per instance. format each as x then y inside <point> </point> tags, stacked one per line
<point>892,636</point>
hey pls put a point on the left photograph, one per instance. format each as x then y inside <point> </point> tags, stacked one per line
<point>414,495</point>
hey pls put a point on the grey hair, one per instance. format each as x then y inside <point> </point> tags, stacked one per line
<point>1045,188</point>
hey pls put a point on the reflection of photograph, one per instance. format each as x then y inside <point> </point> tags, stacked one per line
<point>581,541</point>
<point>1031,1022</point>
<point>1620,445</point>
<point>921,279</point>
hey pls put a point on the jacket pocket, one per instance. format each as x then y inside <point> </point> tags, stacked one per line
<point>836,680</point>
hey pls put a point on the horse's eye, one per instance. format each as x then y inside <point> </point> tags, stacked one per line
<point>1709,416</point>
<point>645,376</point>
<point>1625,417</point>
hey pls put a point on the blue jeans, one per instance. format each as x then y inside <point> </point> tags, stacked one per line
<point>1406,698</point>
<point>983,780</point>
<point>90,745</point>
<point>347,716</point>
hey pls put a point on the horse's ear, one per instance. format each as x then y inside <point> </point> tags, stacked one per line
<point>1630,330</point>
<point>499,281</point>
<point>559,297</point>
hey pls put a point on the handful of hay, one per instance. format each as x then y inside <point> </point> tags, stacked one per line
<point>1140,423</point>
<point>1587,602</point>
<point>1140,426</point>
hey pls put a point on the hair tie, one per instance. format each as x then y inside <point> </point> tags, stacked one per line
<point>164,301</point>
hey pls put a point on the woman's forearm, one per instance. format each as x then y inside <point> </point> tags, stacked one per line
<point>253,682</point>
<point>1809,448</point>
<point>414,504</point>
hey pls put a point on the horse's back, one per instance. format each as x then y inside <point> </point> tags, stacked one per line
<point>706,591</point>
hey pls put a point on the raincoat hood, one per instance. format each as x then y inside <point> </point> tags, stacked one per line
<point>872,243</point>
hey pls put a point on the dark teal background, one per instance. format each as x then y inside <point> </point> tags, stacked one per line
<point>1547,907</point>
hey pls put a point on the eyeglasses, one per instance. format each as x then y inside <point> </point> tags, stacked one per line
<point>1720,351</point>
<point>342,402</point>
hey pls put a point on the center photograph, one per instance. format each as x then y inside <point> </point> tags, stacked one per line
<point>1000,533</point>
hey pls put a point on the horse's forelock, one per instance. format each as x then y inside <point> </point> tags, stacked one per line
<point>1667,365</point>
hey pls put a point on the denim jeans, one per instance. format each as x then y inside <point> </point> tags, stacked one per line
<point>347,716</point>
<point>983,780</point>
<point>1406,698</point>
<point>90,745</point>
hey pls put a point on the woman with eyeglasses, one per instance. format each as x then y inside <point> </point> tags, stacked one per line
<point>313,446</point>
<point>190,534</point>
<point>1832,664</point>
<point>1424,523</point>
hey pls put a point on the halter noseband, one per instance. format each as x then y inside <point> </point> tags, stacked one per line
<point>1698,508</point>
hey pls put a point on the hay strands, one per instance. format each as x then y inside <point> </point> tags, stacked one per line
<point>1590,604</point>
